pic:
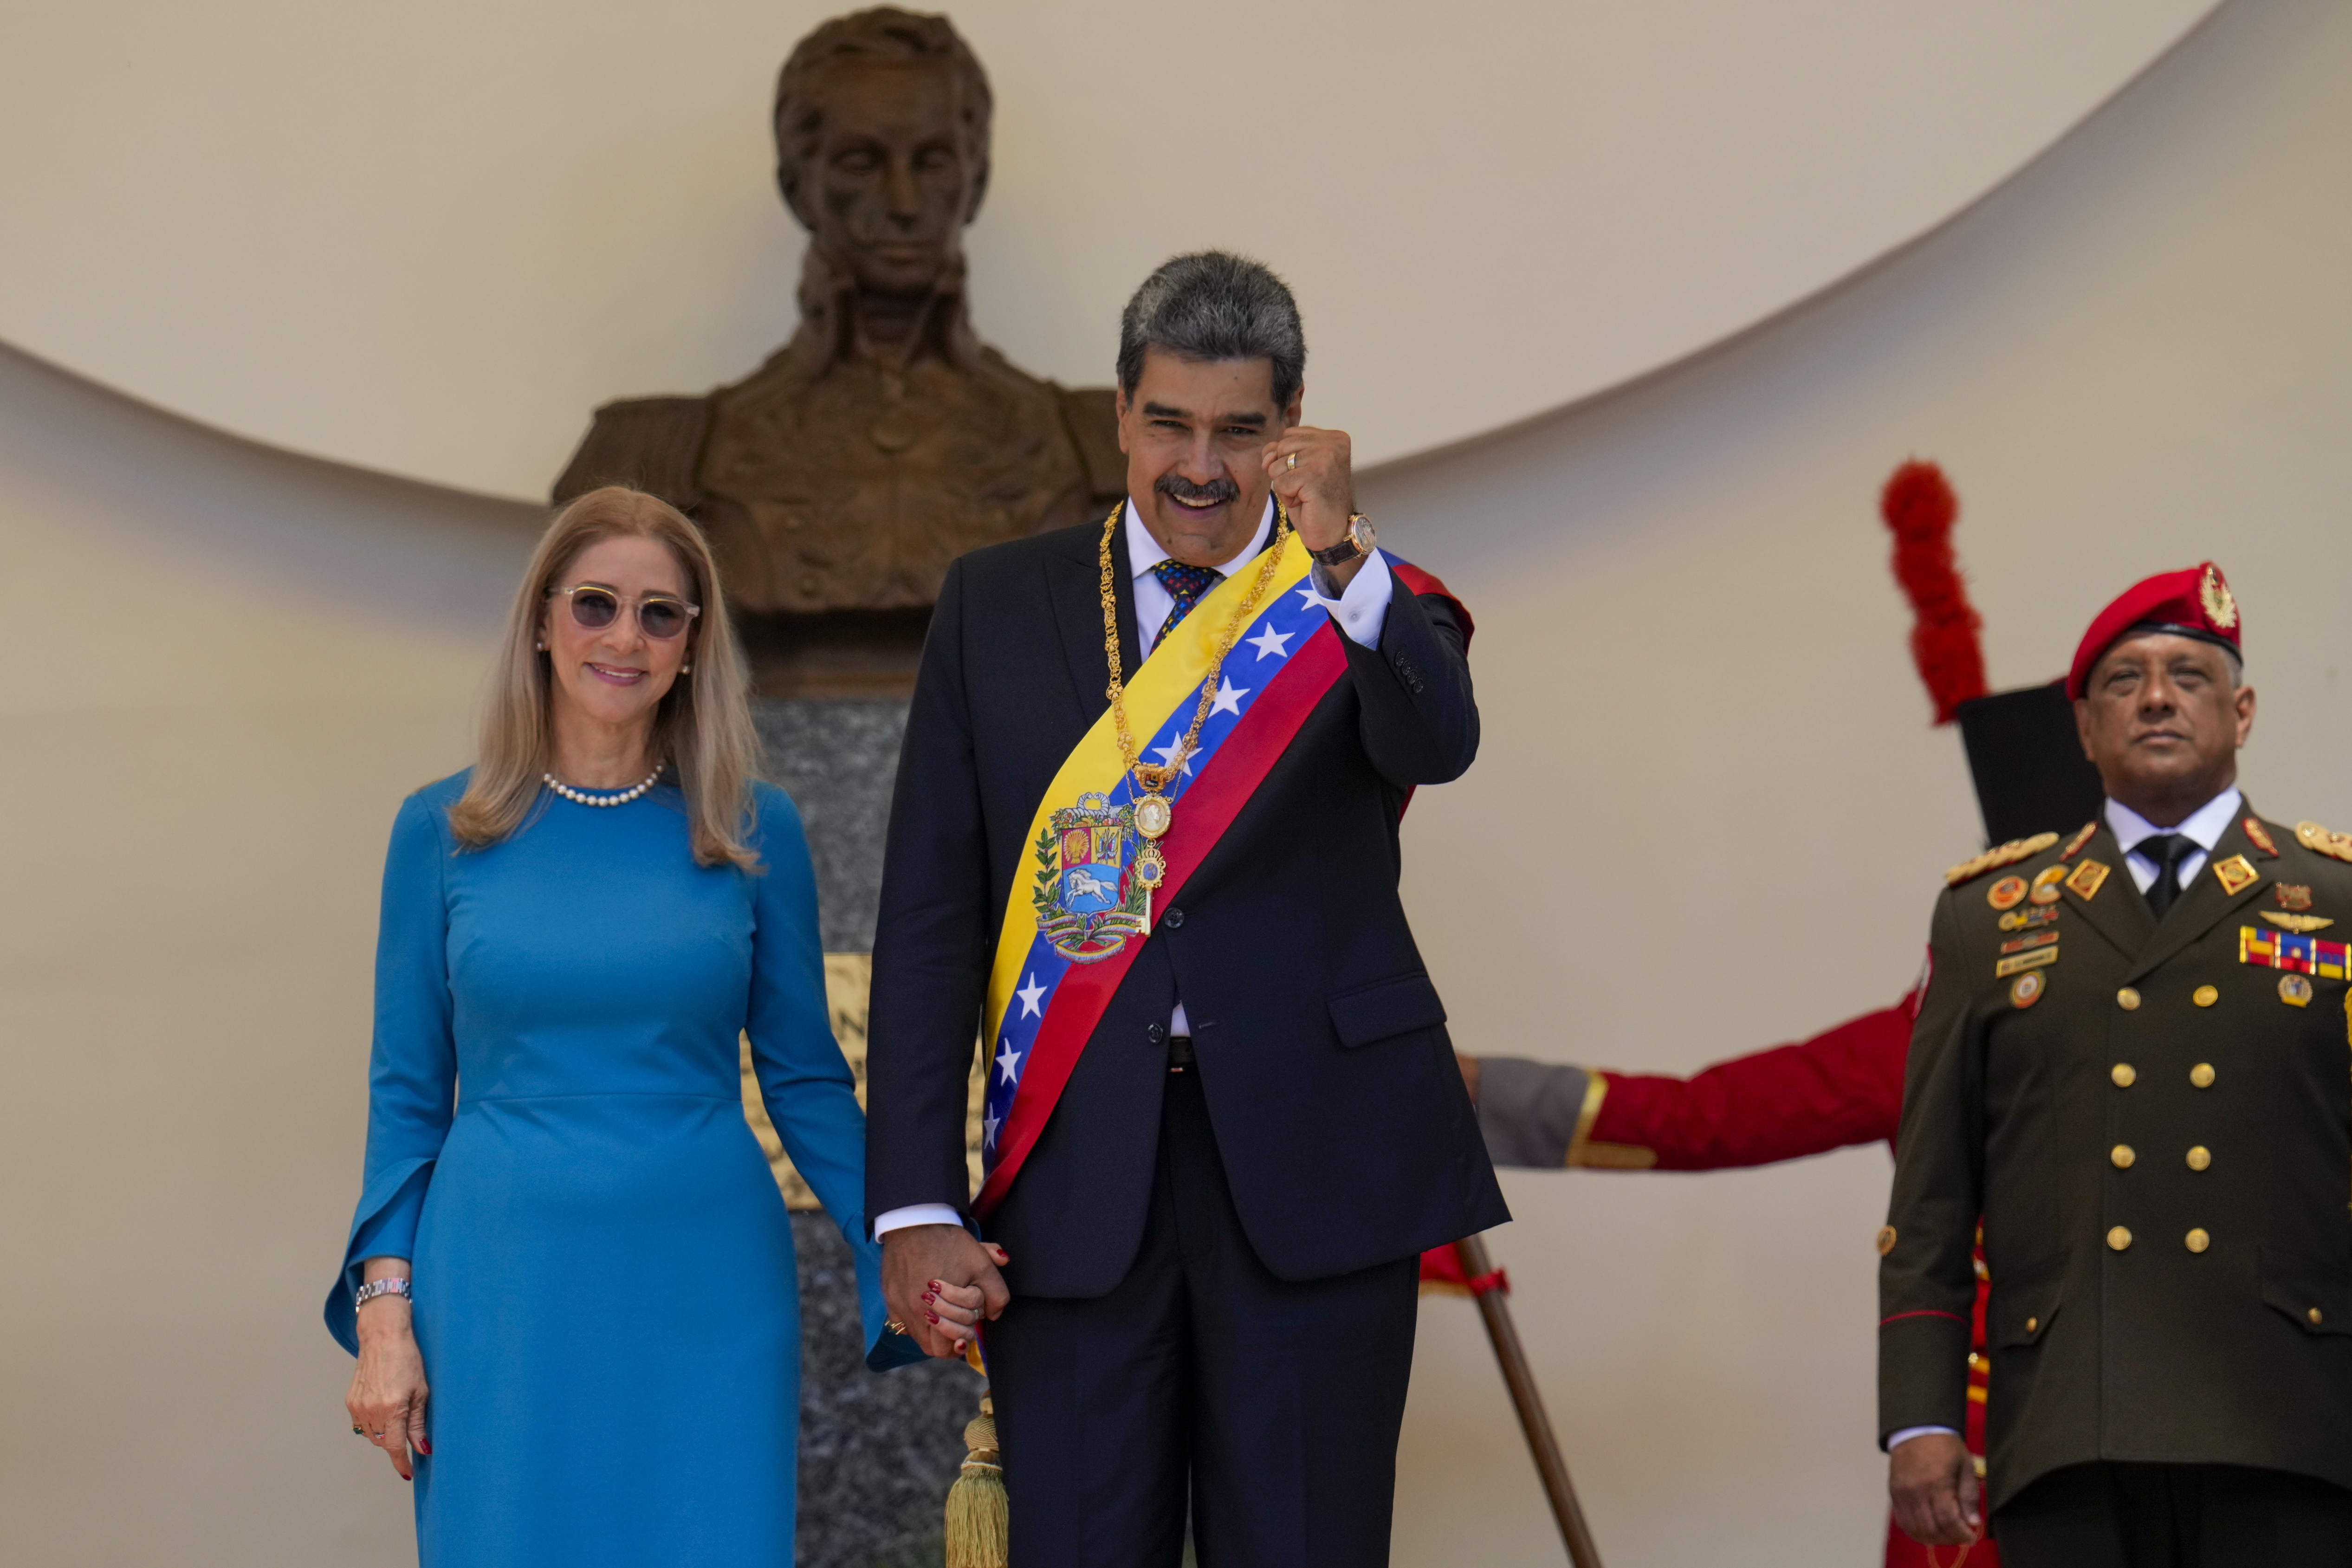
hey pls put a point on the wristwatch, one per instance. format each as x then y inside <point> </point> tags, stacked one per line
<point>1358,540</point>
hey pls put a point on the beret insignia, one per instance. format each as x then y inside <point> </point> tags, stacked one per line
<point>2312,837</point>
<point>2018,849</point>
<point>2213,596</point>
<point>2074,845</point>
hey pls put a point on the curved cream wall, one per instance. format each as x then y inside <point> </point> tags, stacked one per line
<point>1709,816</point>
<point>428,239</point>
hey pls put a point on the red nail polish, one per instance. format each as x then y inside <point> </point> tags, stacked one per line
<point>932,1316</point>
<point>929,1298</point>
<point>425,1448</point>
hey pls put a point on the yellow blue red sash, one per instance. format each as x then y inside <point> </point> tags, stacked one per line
<point>1075,918</point>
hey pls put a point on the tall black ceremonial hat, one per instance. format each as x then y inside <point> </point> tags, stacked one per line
<point>2023,753</point>
<point>2028,764</point>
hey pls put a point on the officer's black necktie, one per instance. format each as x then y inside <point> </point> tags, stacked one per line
<point>2167,850</point>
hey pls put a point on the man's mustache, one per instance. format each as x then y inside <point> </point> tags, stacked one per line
<point>1216,492</point>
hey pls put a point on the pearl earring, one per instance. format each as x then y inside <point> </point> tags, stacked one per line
<point>686,669</point>
<point>541,646</point>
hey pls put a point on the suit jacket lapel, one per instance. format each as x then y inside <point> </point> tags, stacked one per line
<point>1074,588</point>
<point>2203,904</point>
<point>2118,912</point>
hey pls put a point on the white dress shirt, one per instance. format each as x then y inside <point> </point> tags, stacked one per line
<point>1361,609</point>
<point>2203,827</point>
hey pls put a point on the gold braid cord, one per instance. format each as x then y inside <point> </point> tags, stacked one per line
<point>1153,776</point>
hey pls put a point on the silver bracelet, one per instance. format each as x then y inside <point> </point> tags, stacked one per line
<point>391,1285</point>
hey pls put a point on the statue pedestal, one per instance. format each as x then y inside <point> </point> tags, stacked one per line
<point>877,1452</point>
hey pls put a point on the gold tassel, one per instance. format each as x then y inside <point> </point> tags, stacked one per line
<point>979,1519</point>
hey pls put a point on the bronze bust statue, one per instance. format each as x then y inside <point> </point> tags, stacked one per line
<point>885,439</point>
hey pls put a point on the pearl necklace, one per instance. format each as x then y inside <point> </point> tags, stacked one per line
<point>581,797</point>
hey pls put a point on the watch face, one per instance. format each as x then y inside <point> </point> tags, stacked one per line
<point>1361,529</point>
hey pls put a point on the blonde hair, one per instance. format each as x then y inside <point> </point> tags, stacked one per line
<point>702,728</point>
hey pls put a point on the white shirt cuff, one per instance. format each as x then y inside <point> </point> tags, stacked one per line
<point>1904,1436</point>
<point>1363,607</point>
<point>915,1214</point>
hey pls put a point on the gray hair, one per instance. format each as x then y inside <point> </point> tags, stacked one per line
<point>1213,305</point>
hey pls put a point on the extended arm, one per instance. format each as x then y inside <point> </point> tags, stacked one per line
<point>1842,1087</point>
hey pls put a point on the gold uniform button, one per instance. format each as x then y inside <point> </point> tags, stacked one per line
<point>1886,1239</point>
<point>2198,1241</point>
<point>2127,999</point>
<point>2313,1314</point>
<point>2032,1324</point>
<point>2123,1073</point>
<point>2200,1157</point>
<point>2119,1239</point>
<point>2201,1075</point>
<point>2122,1156</point>
<point>2205,996</point>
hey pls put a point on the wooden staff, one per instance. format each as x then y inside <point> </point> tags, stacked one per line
<point>1488,1288</point>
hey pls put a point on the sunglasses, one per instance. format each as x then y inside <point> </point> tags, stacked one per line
<point>659,616</point>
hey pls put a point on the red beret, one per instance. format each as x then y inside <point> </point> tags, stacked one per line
<point>2192,603</point>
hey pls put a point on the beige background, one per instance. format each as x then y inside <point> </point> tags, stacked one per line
<point>428,239</point>
<point>1709,816</point>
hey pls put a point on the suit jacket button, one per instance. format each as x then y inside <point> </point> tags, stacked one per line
<point>2032,1324</point>
<point>1156,1033</point>
<point>2198,1241</point>
<point>2122,1156</point>
<point>2205,996</point>
<point>2127,999</point>
<point>2119,1239</point>
<point>2201,1075</point>
<point>2123,1073</point>
<point>2313,1314</point>
<point>2200,1157</point>
<point>1172,919</point>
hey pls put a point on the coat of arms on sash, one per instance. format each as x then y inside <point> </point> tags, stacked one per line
<point>1088,897</point>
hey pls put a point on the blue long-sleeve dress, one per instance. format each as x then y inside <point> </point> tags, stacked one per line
<point>605,1295</point>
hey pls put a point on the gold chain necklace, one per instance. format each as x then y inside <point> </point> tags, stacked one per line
<point>1153,814</point>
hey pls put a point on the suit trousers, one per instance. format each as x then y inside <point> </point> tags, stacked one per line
<point>2122,1515</point>
<point>1273,1406</point>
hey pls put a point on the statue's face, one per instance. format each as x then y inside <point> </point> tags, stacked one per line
<point>892,183</point>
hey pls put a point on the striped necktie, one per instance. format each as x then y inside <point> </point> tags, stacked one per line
<point>1185,584</point>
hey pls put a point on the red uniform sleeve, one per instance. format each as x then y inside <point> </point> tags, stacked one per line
<point>1837,1089</point>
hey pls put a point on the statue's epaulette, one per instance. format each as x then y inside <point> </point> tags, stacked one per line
<point>2312,837</point>
<point>2007,853</point>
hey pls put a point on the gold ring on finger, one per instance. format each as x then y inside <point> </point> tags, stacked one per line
<point>1294,459</point>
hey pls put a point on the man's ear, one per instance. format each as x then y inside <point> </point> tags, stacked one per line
<point>1118,414</point>
<point>1290,409</point>
<point>2245,698</point>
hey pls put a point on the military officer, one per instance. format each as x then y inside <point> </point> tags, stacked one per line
<point>2131,1060</point>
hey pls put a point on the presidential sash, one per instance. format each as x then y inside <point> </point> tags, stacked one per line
<point>1075,917</point>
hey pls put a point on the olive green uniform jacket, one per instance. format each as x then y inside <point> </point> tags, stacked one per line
<point>2159,1144</point>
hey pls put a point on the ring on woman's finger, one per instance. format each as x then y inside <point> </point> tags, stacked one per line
<point>894,1326</point>
<point>359,1431</point>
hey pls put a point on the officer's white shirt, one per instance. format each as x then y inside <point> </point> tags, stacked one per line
<point>2203,827</point>
<point>1362,611</point>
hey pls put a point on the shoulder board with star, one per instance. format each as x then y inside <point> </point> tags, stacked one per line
<point>2000,855</point>
<point>2324,841</point>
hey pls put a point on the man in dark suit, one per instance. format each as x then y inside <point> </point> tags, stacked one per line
<point>1200,1271</point>
<point>2155,1132</point>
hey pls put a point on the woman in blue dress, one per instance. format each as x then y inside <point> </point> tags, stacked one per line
<point>570,1283</point>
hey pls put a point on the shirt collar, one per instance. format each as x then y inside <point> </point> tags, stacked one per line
<point>2203,826</point>
<point>1143,551</point>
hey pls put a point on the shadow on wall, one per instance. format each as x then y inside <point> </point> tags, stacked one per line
<point>172,490</point>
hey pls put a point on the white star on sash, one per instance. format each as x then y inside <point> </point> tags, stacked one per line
<point>1313,600</point>
<point>1009,1059</point>
<point>1228,699</point>
<point>1268,641</point>
<point>992,1123</point>
<point>1170,758</point>
<point>1030,996</point>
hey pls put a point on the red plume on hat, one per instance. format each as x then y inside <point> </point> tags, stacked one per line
<point>1920,508</point>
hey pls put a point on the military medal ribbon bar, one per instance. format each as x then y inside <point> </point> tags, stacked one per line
<point>1073,923</point>
<point>2301,954</point>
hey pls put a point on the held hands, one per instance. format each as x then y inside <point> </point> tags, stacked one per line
<point>1319,492</point>
<point>1933,1486</point>
<point>939,1283</point>
<point>388,1389</point>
